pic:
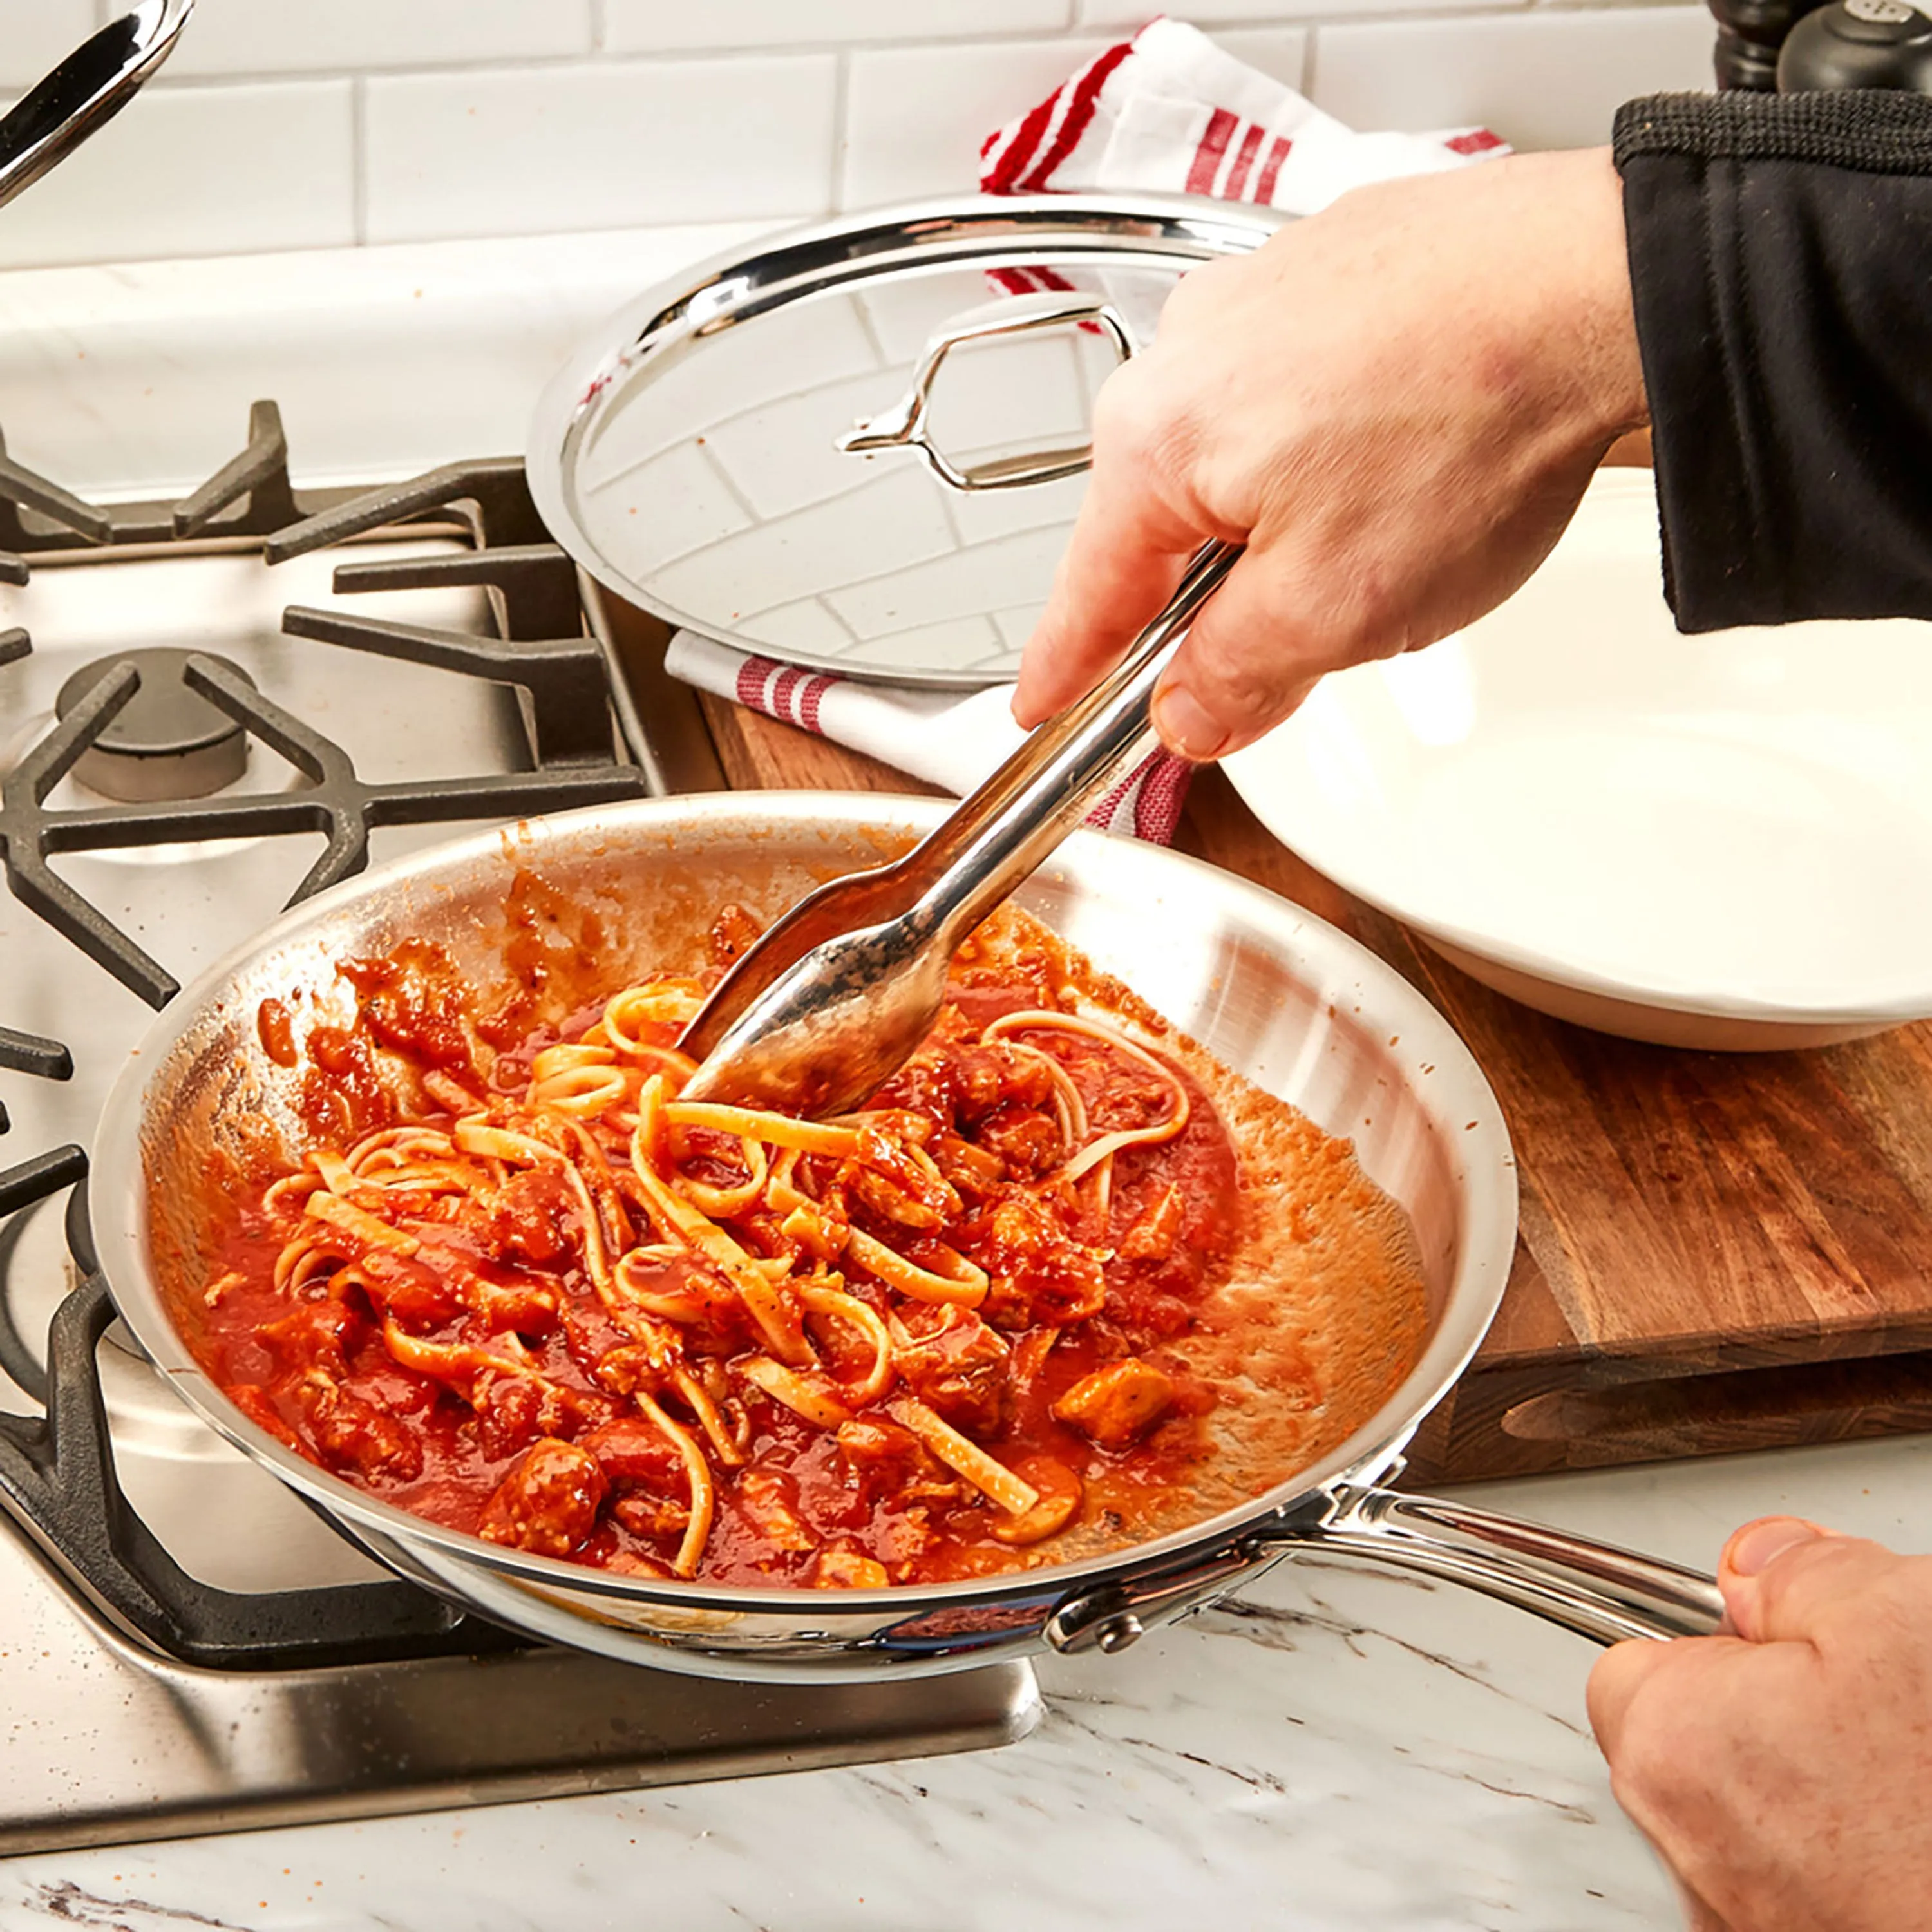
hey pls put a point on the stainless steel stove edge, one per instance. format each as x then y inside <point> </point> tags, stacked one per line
<point>159,1750</point>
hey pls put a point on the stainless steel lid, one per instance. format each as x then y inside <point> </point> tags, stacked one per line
<point>858,446</point>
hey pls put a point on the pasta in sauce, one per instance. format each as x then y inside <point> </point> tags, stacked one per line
<point>1064,1284</point>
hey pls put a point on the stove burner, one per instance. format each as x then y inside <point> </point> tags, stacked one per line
<point>167,742</point>
<point>585,744</point>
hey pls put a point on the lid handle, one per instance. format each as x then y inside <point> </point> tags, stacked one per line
<point>904,426</point>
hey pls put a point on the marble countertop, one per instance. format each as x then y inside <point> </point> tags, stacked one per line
<point>1333,1748</point>
<point>1336,1748</point>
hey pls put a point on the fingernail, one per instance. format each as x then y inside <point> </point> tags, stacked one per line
<point>1185,728</point>
<point>1760,1546</point>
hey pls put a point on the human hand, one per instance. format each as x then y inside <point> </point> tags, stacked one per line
<point>1396,404</point>
<point>1784,1773</point>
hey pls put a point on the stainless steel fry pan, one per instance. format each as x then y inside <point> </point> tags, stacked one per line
<point>1274,992</point>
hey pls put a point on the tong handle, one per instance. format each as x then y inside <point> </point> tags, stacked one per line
<point>931,897</point>
<point>94,83</point>
<point>997,835</point>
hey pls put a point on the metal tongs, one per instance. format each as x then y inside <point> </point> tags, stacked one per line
<point>89,87</point>
<point>838,995</point>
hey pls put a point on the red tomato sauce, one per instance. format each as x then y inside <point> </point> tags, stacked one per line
<point>530,1428</point>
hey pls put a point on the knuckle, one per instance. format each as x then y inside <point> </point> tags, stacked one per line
<point>1244,686</point>
<point>1822,1582</point>
<point>1139,421</point>
<point>1201,291</point>
<point>1381,617</point>
<point>1647,1772</point>
<point>1123,411</point>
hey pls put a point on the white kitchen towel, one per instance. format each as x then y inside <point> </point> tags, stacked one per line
<point>1167,110</point>
<point>948,740</point>
<point>1170,111</point>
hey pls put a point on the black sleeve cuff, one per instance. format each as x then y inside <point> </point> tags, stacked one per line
<point>1878,131</point>
<point>1780,257</point>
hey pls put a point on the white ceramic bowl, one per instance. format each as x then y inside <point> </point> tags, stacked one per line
<point>1719,842</point>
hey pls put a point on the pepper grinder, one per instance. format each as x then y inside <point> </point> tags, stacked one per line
<point>1859,43</point>
<point>1750,34</point>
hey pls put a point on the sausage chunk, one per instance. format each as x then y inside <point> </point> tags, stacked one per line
<point>548,1503</point>
<point>959,1366</point>
<point>1115,1404</point>
<point>353,1434</point>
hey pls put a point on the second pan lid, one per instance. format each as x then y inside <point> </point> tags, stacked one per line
<point>858,447</point>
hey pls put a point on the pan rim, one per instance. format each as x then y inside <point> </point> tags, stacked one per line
<point>1487,1194</point>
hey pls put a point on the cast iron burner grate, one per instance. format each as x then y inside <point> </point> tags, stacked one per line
<point>578,755</point>
<point>57,1472</point>
<point>28,1053</point>
<point>57,1468</point>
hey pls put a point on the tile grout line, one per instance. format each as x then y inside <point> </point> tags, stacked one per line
<point>358,160</point>
<point>852,71</point>
<point>600,55</point>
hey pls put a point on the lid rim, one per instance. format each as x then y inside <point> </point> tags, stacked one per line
<point>848,252</point>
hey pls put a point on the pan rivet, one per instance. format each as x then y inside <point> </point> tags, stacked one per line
<point>1117,1632</point>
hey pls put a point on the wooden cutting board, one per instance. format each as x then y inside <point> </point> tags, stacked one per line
<point>1718,1252</point>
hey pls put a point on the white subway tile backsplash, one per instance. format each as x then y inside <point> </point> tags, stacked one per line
<point>197,171</point>
<point>1552,78</point>
<point>409,119</point>
<point>1281,51</point>
<point>915,116</point>
<point>39,36</point>
<point>651,26</point>
<point>279,36</point>
<point>615,145</point>
<point>1132,13</point>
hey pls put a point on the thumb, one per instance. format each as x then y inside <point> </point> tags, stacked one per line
<point>1238,673</point>
<point>1784,1578</point>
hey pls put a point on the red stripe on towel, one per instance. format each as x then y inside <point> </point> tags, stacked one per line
<point>753,675</point>
<point>1079,113</point>
<point>1221,125</point>
<point>1244,159</point>
<point>999,178</point>
<point>1163,792</point>
<point>1271,167</point>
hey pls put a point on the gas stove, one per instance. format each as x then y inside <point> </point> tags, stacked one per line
<point>209,708</point>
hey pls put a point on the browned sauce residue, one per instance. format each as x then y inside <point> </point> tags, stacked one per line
<point>275,1027</point>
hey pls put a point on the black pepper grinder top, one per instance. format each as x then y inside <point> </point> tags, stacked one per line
<point>1858,44</point>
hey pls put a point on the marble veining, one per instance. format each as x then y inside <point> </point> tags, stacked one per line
<point>1333,1747</point>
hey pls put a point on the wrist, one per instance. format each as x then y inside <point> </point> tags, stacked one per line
<point>1610,397</point>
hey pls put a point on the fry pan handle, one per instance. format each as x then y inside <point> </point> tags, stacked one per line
<point>1593,1588</point>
